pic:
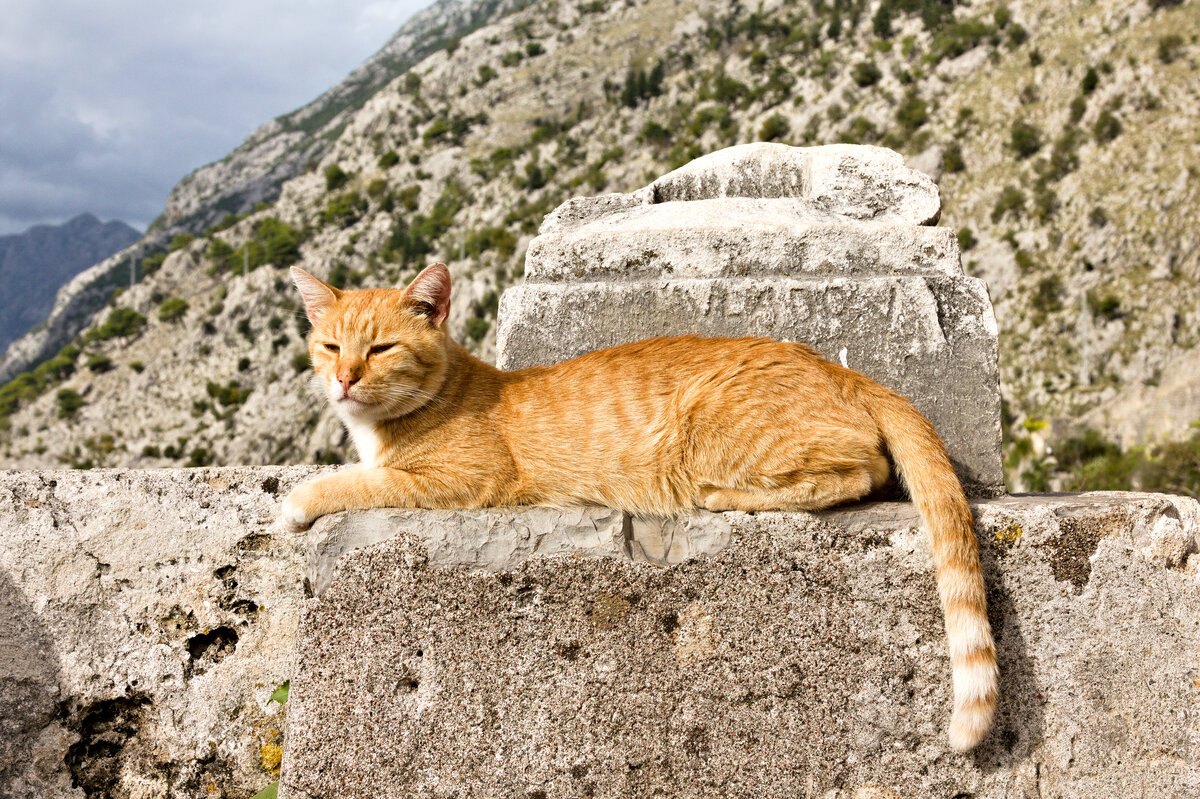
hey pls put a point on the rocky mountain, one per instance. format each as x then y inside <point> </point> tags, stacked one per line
<point>254,172</point>
<point>279,150</point>
<point>1062,136</point>
<point>35,263</point>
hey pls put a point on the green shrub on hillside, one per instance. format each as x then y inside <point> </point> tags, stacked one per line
<point>69,401</point>
<point>172,309</point>
<point>1024,138</point>
<point>152,263</point>
<point>273,242</point>
<point>774,128</point>
<point>180,241</point>
<point>345,209</point>
<point>642,85</point>
<point>1106,128</point>
<point>335,177</point>
<point>952,158</point>
<point>99,363</point>
<point>121,323</point>
<point>1047,297</point>
<point>912,112</point>
<point>1094,463</point>
<point>1010,201</point>
<point>389,159</point>
<point>865,73</point>
<point>487,73</point>
<point>1169,47</point>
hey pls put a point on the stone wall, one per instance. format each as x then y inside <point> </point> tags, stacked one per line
<point>145,619</point>
<point>587,654</point>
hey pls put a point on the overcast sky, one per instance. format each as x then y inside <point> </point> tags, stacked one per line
<point>105,105</point>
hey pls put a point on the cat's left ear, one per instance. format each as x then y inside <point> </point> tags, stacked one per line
<point>318,295</point>
<point>430,292</point>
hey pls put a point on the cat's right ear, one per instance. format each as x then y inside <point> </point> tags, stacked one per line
<point>318,295</point>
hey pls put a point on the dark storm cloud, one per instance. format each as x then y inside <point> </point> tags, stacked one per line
<point>105,106</point>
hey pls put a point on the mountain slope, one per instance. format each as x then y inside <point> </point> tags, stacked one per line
<point>1062,138</point>
<point>35,263</point>
<point>279,149</point>
<point>254,172</point>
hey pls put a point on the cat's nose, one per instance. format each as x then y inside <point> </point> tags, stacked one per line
<point>347,382</point>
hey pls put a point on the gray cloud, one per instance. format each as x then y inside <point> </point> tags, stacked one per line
<point>105,106</point>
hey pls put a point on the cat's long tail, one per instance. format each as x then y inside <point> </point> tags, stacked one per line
<point>920,457</point>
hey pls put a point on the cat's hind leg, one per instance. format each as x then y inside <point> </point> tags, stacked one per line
<point>804,491</point>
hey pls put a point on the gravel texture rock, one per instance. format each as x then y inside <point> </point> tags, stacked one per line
<point>792,655</point>
<point>145,619</point>
<point>830,246</point>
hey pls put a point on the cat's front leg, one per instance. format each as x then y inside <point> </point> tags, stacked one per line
<point>353,489</point>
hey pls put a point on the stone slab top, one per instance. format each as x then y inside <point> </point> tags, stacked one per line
<point>499,539</point>
<point>735,237</point>
<point>852,181</point>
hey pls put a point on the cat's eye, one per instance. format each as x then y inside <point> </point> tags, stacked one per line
<point>332,348</point>
<point>378,348</point>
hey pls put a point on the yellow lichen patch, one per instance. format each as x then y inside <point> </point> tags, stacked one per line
<point>272,756</point>
<point>1009,533</point>
<point>608,610</point>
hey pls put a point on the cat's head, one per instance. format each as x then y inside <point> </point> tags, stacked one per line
<point>378,353</point>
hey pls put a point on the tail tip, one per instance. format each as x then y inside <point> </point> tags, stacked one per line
<point>969,726</point>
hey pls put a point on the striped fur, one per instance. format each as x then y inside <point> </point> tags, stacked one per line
<point>657,427</point>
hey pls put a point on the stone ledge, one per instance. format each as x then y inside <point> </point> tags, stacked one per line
<point>786,655</point>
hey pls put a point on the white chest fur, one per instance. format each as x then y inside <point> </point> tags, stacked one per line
<point>366,441</point>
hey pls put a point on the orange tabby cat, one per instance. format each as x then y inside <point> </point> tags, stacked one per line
<point>662,426</point>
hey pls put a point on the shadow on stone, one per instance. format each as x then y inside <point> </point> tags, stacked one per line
<point>29,690</point>
<point>1017,730</point>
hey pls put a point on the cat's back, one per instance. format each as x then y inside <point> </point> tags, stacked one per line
<point>637,380</point>
<point>675,358</point>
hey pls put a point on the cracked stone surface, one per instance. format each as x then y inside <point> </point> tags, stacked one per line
<point>493,654</point>
<point>145,619</point>
<point>831,246</point>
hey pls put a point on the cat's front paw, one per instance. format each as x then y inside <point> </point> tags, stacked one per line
<point>296,514</point>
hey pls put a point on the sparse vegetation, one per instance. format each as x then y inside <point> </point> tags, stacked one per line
<point>1106,128</point>
<point>866,73</point>
<point>1024,138</point>
<point>172,309</point>
<point>335,177</point>
<point>774,128</point>
<point>1010,202</point>
<point>69,401</point>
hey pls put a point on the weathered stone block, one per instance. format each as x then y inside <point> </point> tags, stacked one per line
<point>145,618</point>
<point>830,246</point>
<point>784,655</point>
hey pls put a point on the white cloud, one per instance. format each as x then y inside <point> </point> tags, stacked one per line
<point>105,106</point>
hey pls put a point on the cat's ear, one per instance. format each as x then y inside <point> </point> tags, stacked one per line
<point>318,295</point>
<point>430,293</point>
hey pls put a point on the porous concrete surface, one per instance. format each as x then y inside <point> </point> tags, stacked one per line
<point>830,246</point>
<point>145,619</point>
<point>802,657</point>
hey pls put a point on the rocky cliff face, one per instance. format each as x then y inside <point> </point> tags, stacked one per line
<point>35,263</point>
<point>279,150</point>
<point>1060,137</point>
